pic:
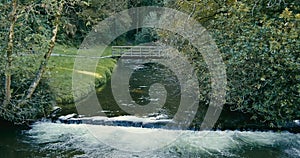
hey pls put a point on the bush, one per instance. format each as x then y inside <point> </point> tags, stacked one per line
<point>261,52</point>
<point>260,44</point>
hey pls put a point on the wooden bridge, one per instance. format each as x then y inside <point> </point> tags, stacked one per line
<point>137,52</point>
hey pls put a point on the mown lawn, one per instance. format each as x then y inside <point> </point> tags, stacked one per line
<point>61,70</point>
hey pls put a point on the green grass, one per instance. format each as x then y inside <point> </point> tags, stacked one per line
<point>61,71</point>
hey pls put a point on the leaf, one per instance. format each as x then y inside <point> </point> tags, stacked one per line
<point>88,23</point>
<point>286,14</point>
<point>85,3</point>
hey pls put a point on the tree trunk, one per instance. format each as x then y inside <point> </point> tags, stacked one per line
<point>44,62</point>
<point>9,52</point>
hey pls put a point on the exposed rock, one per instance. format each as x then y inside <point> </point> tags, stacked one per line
<point>67,117</point>
<point>53,113</point>
<point>297,122</point>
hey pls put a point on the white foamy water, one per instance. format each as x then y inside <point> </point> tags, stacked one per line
<point>79,140</point>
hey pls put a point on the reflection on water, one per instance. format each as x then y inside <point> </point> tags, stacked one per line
<point>64,140</point>
<point>140,82</point>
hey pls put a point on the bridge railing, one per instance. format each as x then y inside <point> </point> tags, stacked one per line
<point>137,51</point>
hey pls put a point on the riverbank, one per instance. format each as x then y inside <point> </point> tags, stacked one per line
<point>61,71</point>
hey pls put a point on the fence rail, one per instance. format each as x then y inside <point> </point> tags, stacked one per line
<point>137,51</point>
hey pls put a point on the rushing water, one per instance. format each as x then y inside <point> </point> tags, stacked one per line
<point>47,139</point>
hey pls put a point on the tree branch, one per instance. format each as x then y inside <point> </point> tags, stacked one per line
<point>44,62</point>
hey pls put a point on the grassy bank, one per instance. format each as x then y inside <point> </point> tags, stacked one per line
<point>61,69</point>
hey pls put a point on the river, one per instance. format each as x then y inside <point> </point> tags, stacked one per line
<point>46,139</point>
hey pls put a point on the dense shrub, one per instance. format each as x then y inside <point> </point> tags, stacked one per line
<point>260,45</point>
<point>261,50</point>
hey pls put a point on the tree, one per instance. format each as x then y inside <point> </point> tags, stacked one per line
<point>9,51</point>
<point>30,24</point>
<point>79,19</point>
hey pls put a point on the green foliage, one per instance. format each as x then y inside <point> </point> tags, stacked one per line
<point>200,10</point>
<point>78,21</point>
<point>31,36</point>
<point>261,51</point>
<point>23,74</point>
<point>146,35</point>
<point>259,42</point>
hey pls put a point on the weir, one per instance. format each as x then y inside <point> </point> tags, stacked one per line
<point>159,121</point>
